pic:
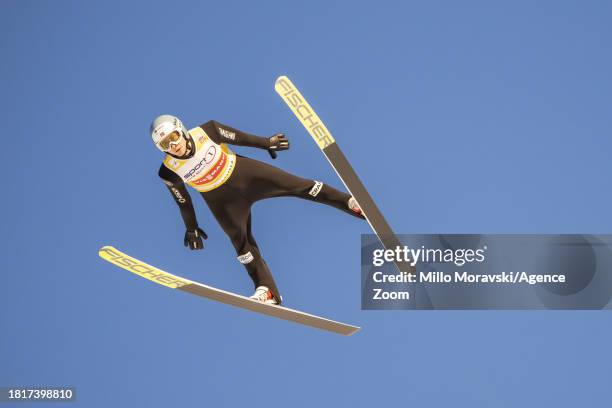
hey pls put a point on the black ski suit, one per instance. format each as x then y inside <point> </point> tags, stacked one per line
<point>250,181</point>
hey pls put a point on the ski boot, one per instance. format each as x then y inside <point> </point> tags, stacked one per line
<point>354,206</point>
<point>264,295</point>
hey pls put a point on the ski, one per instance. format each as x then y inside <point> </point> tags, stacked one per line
<point>118,258</point>
<point>319,132</point>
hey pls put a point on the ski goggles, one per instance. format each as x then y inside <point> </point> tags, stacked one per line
<point>169,140</point>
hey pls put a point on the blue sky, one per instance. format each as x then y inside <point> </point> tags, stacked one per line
<point>460,117</point>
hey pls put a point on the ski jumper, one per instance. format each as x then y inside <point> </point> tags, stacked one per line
<point>230,184</point>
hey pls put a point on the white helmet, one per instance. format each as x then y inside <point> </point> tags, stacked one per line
<point>164,125</point>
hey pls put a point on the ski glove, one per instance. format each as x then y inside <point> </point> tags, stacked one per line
<point>193,238</point>
<point>278,142</point>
